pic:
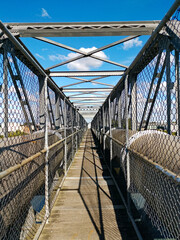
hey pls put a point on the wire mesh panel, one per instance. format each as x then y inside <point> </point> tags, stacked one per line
<point>22,190</point>
<point>32,163</point>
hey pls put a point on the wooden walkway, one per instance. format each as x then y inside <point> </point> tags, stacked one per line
<point>88,206</point>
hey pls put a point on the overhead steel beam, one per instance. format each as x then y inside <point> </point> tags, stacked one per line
<point>83,29</point>
<point>85,54</point>
<point>88,54</point>
<point>87,90</point>
<point>87,109</point>
<point>85,73</point>
<point>80,103</point>
<point>94,94</point>
<point>86,98</point>
<point>82,80</point>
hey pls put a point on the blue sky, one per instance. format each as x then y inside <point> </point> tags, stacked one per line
<point>77,11</point>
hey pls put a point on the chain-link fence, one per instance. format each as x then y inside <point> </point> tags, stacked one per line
<point>38,140</point>
<point>140,134</point>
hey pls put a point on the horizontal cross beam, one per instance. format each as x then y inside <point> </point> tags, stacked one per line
<point>87,90</point>
<point>83,29</point>
<point>87,98</point>
<point>85,73</point>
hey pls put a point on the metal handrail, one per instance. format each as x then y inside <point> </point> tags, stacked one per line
<point>29,159</point>
<point>169,173</point>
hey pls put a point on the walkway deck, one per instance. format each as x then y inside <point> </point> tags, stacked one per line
<point>88,206</point>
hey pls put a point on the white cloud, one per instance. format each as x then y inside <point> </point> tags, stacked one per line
<point>58,57</point>
<point>132,43</point>
<point>84,64</point>
<point>39,56</point>
<point>44,13</point>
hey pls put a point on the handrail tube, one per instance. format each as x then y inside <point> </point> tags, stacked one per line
<point>29,159</point>
<point>174,176</point>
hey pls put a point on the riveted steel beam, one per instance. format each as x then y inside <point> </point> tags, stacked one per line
<point>85,73</point>
<point>83,29</point>
<point>87,89</point>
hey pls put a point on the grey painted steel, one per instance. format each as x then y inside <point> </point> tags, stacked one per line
<point>65,135</point>
<point>85,73</point>
<point>88,54</point>
<point>156,93</point>
<point>50,112</point>
<point>146,46</point>
<point>26,102</point>
<point>134,101</point>
<point>168,76</point>
<point>5,91</point>
<point>87,89</point>
<point>41,102</point>
<point>127,140</point>
<point>13,77</point>
<point>151,87</point>
<point>104,146</point>
<point>57,111</point>
<point>72,129</point>
<point>47,151</point>
<point>120,110</point>
<point>86,98</point>
<point>85,80</point>
<point>177,91</point>
<point>31,59</point>
<point>83,54</point>
<point>83,29</point>
<point>93,94</point>
<point>110,132</point>
<point>99,103</point>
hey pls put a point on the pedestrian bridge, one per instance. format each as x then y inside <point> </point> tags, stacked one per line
<point>117,177</point>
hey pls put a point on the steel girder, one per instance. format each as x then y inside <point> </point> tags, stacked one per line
<point>83,29</point>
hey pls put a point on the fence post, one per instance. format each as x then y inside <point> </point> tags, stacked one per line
<point>47,151</point>
<point>134,101</point>
<point>72,130</point>
<point>127,140</point>
<point>120,110</point>
<point>76,129</point>
<point>104,137</point>
<point>65,136</point>
<point>5,89</point>
<point>168,76</point>
<point>177,92</point>
<point>57,111</point>
<point>110,133</point>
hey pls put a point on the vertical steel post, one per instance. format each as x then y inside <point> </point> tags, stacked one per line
<point>104,137</point>
<point>127,140</point>
<point>65,136</point>
<point>110,133</point>
<point>76,129</point>
<point>57,111</point>
<point>134,101</point>
<point>72,130</point>
<point>42,102</point>
<point>168,90</point>
<point>120,110</point>
<point>5,90</point>
<point>177,92</point>
<point>47,152</point>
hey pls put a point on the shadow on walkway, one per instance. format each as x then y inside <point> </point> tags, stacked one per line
<point>100,196</point>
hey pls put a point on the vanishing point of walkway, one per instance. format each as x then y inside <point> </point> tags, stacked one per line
<point>88,205</point>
